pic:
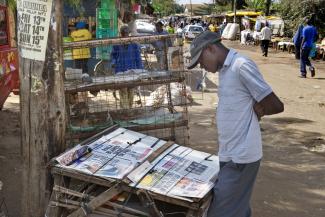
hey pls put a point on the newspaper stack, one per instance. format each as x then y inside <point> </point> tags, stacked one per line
<point>178,171</point>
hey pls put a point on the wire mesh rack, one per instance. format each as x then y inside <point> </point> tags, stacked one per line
<point>139,84</point>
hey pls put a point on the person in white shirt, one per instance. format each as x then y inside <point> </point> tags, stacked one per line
<point>266,34</point>
<point>244,97</point>
<point>129,19</point>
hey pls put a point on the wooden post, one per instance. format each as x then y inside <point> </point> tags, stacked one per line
<point>43,119</point>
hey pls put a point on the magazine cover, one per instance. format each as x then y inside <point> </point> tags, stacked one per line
<point>93,163</point>
<point>190,188</point>
<point>116,168</point>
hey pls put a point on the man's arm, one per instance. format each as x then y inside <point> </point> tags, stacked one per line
<point>302,42</point>
<point>269,105</point>
<point>303,38</point>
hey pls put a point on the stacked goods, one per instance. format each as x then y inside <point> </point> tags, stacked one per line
<point>144,162</point>
<point>106,21</point>
<point>230,31</point>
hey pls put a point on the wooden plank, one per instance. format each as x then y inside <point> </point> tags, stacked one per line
<point>179,202</point>
<point>205,206</point>
<point>147,201</point>
<point>112,41</point>
<point>98,201</point>
<point>82,195</point>
<point>159,151</point>
<point>42,119</point>
<point>55,211</point>
<point>83,177</point>
<point>54,76</point>
<point>174,124</point>
<point>180,123</point>
<point>71,89</point>
<point>34,140</point>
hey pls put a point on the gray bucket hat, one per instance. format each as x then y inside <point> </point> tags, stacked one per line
<point>199,43</point>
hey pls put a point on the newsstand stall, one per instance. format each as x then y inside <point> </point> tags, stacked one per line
<point>119,172</point>
<point>9,77</point>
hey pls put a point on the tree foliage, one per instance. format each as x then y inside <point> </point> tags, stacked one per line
<point>74,3</point>
<point>12,4</point>
<point>217,8</point>
<point>205,9</point>
<point>164,7</point>
<point>255,5</point>
<point>294,12</point>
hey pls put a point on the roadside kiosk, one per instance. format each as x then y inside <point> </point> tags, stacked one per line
<point>9,76</point>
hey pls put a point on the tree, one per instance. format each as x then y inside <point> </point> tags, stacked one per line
<point>179,9</point>
<point>256,5</point>
<point>240,4</point>
<point>164,7</point>
<point>267,7</point>
<point>205,9</point>
<point>294,12</point>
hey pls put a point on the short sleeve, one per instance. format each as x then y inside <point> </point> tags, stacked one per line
<point>253,80</point>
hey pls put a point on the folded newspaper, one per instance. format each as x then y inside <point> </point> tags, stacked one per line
<point>177,171</point>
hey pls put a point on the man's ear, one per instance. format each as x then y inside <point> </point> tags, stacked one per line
<point>211,48</point>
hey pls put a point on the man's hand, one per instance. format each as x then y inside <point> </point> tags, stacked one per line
<point>270,105</point>
<point>259,110</point>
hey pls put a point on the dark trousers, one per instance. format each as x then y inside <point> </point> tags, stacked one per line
<point>82,64</point>
<point>265,47</point>
<point>304,60</point>
<point>297,52</point>
<point>233,190</point>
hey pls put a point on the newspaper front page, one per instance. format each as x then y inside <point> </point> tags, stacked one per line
<point>177,172</point>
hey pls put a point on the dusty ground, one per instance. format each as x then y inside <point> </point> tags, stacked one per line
<point>291,182</point>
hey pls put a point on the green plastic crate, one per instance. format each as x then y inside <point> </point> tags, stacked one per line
<point>110,4</point>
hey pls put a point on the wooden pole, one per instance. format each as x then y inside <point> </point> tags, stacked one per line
<point>43,119</point>
<point>113,41</point>
<point>235,10</point>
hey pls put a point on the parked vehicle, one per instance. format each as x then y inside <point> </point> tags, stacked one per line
<point>191,31</point>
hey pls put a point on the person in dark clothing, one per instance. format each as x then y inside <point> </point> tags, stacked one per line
<point>266,35</point>
<point>297,41</point>
<point>309,36</point>
<point>126,57</point>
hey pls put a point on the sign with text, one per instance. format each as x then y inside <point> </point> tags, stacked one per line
<point>33,27</point>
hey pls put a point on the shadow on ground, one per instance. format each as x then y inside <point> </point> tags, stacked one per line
<point>301,180</point>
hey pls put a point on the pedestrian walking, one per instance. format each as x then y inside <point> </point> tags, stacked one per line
<point>309,36</point>
<point>244,98</point>
<point>266,34</point>
<point>160,46</point>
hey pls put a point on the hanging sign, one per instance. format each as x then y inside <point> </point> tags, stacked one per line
<point>33,27</point>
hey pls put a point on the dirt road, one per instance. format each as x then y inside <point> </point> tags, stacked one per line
<point>291,182</point>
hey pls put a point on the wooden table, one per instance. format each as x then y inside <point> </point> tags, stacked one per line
<point>79,194</point>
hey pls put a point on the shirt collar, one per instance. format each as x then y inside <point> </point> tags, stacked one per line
<point>229,59</point>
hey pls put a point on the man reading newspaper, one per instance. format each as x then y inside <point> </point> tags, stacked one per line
<point>244,97</point>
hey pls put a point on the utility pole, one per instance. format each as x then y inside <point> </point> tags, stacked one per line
<point>43,117</point>
<point>191,8</point>
<point>235,10</point>
<point>267,7</point>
